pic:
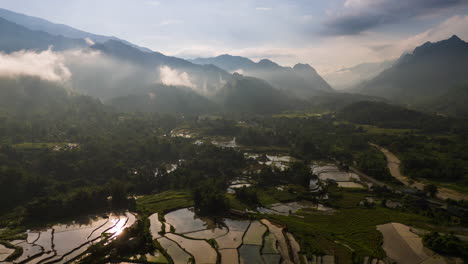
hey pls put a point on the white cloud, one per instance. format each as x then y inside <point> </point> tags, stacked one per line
<point>154,3</point>
<point>263,8</point>
<point>239,71</point>
<point>456,25</point>
<point>47,65</point>
<point>89,41</point>
<point>169,76</point>
<point>169,22</point>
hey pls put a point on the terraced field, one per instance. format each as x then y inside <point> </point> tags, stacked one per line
<point>63,243</point>
<point>228,241</point>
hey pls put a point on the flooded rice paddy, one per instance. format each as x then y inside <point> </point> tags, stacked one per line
<point>293,207</point>
<point>237,241</point>
<point>63,243</point>
<point>332,172</point>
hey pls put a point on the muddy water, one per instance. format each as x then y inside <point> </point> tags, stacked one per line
<point>269,246</point>
<point>254,235</point>
<point>233,239</point>
<point>155,226</point>
<point>229,256</point>
<point>178,255</point>
<point>277,231</point>
<point>5,252</point>
<point>250,254</point>
<point>199,249</point>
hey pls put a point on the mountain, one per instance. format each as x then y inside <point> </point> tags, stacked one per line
<point>426,73</point>
<point>205,79</point>
<point>249,94</point>
<point>14,37</point>
<point>39,24</point>
<point>301,79</point>
<point>120,68</point>
<point>451,103</point>
<point>168,99</point>
<point>347,78</point>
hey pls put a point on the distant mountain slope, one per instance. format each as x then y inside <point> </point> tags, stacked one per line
<point>382,115</point>
<point>248,94</point>
<point>205,79</point>
<point>14,37</point>
<point>100,81</point>
<point>347,78</point>
<point>39,24</point>
<point>451,103</point>
<point>426,73</point>
<point>302,79</point>
<point>161,98</point>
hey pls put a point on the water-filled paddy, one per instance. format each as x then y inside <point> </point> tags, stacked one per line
<point>238,241</point>
<point>254,235</point>
<point>155,226</point>
<point>332,172</point>
<point>272,258</point>
<point>64,242</point>
<point>5,252</point>
<point>277,231</point>
<point>185,221</point>
<point>178,255</point>
<point>208,234</point>
<point>249,254</point>
<point>199,249</point>
<point>233,239</point>
<point>269,246</point>
<point>292,208</point>
<point>229,256</point>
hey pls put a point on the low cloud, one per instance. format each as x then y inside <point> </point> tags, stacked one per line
<point>47,65</point>
<point>359,16</point>
<point>89,41</point>
<point>169,76</point>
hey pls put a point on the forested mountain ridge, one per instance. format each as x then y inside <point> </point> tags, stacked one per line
<point>14,37</point>
<point>39,24</point>
<point>429,71</point>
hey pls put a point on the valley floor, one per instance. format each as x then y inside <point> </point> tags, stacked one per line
<point>394,166</point>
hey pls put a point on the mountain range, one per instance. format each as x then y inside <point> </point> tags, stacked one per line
<point>115,70</point>
<point>39,24</point>
<point>302,79</point>
<point>133,78</point>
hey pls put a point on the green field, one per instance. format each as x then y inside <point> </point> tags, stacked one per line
<point>350,225</point>
<point>164,202</point>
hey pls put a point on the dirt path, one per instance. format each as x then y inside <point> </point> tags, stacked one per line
<point>393,164</point>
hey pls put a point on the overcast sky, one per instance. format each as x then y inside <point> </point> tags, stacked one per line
<point>328,34</point>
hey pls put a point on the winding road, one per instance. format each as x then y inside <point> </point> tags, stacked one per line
<point>393,164</point>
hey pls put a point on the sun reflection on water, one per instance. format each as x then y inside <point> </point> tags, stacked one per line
<point>119,226</point>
